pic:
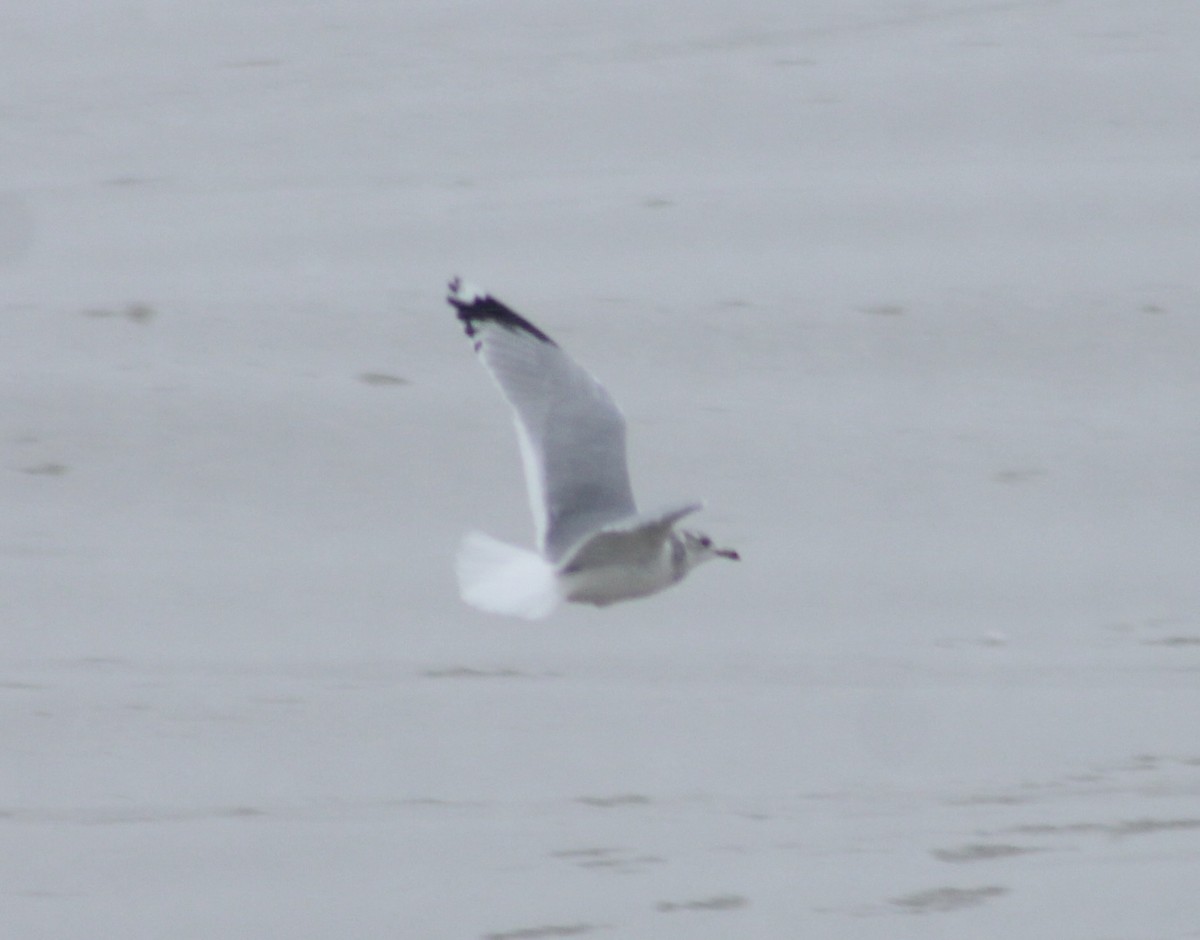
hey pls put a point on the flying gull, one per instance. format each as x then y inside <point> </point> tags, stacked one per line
<point>593,546</point>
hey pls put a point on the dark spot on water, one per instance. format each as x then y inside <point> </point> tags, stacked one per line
<point>593,853</point>
<point>240,812</point>
<point>1192,640</point>
<point>990,799</point>
<point>254,64</point>
<point>1120,829</point>
<point>124,182</point>
<point>940,900</point>
<point>136,312</point>
<point>470,672</point>
<point>617,861</point>
<point>980,852</point>
<point>1018,475</point>
<point>611,802</point>
<point>46,469</point>
<point>720,902</point>
<point>381,378</point>
<point>535,933</point>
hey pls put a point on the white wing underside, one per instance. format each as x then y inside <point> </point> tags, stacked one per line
<point>571,437</point>
<point>535,485</point>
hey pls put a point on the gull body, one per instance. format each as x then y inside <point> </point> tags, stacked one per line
<point>593,546</point>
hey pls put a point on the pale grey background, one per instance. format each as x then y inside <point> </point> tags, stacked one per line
<point>908,292</point>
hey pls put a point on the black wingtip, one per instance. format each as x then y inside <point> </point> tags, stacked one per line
<point>474,306</point>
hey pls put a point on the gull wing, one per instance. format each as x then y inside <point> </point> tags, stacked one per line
<point>636,541</point>
<point>571,434</point>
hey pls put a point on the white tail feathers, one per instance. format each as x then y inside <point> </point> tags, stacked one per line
<point>503,579</point>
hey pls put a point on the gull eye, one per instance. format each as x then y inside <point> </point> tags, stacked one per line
<point>706,541</point>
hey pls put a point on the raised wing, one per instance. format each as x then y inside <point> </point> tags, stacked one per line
<point>572,435</point>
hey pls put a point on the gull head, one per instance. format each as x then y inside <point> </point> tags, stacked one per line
<point>700,547</point>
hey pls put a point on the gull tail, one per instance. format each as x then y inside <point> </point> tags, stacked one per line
<point>504,579</point>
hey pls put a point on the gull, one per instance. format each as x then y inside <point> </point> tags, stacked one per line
<point>593,546</point>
